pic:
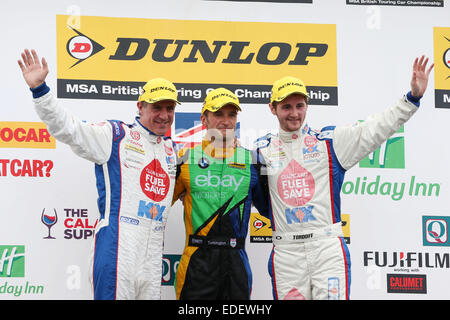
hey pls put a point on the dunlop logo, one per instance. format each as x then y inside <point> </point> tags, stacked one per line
<point>270,53</point>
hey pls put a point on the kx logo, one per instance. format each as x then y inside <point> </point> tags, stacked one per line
<point>151,210</point>
<point>310,149</point>
<point>391,153</point>
<point>12,261</point>
<point>299,215</point>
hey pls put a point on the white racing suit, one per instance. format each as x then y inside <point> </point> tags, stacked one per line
<point>135,172</point>
<point>305,168</point>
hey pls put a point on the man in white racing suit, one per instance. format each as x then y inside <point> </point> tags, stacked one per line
<point>305,169</point>
<point>135,168</point>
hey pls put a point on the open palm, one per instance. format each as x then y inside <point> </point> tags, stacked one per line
<point>419,81</point>
<point>33,72</point>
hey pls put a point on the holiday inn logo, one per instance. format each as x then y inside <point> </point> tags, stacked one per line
<point>12,265</point>
<point>391,153</point>
<point>12,261</point>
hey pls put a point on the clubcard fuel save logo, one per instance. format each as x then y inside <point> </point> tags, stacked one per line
<point>391,153</point>
<point>90,58</point>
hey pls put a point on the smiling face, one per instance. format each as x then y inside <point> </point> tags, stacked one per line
<point>291,112</point>
<point>223,120</point>
<point>157,117</point>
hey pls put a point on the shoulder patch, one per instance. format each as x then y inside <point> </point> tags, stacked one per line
<point>325,133</point>
<point>118,131</point>
<point>263,142</point>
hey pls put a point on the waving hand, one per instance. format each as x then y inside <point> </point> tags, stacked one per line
<point>420,76</point>
<point>33,72</point>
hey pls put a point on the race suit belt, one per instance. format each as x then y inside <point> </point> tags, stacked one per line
<point>216,242</point>
<point>331,231</point>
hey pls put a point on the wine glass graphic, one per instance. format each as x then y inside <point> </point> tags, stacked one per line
<point>49,219</point>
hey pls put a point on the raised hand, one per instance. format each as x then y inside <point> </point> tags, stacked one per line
<point>33,72</point>
<point>420,76</point>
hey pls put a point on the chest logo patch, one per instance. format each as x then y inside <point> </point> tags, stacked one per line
<point>296,185</point>
<point>155,181</point>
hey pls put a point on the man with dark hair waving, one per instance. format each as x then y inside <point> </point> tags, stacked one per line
<point>305,170</point>
<point>135,171</point>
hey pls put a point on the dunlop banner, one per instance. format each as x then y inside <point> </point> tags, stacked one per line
<point>111,58</point>
<point>442,67</point>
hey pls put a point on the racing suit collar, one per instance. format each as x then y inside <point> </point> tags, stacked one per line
<point>153,137</point>
<point>216,150</point>
<point>290,136</point>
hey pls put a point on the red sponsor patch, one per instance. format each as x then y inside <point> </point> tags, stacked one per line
<point>296,185</point>
<point>155,181</point>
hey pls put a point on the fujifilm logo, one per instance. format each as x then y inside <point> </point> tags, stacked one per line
<point>406,259</point>
<point>210,180</point>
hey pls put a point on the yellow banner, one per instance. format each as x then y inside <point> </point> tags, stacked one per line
<point>25,135</point>
<point>442,67</point>
<point>442,58</point>
<point>260,228</point>
<point>345,220</point>
<point>134,50</point>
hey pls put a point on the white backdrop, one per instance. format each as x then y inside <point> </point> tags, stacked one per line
<point>376,46</point>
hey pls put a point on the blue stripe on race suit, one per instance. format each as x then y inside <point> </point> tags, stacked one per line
<point>271,268</point>
<point>337,177</point>
<point>244,258</point>
<point>101,190</point>
<point>106,240</point>
<point>264,143</point>
<point>257,195</point>
<point>348,265</point>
